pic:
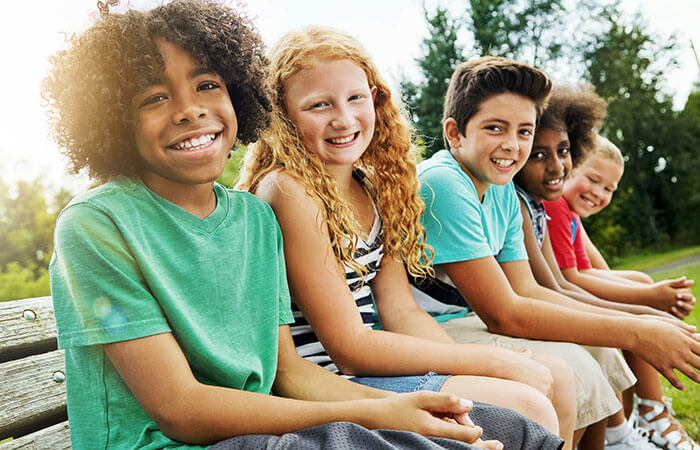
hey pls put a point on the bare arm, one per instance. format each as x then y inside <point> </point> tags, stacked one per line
<point>157,373</point>
<point>488,289</point>
<point>321,292</point>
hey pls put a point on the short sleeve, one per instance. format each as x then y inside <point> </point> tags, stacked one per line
<point>285,308</point>
<point>514,242</point>
<point>98,291</point>
<point>559,229</point>
<point>452,217</point>
<point>582,261</point>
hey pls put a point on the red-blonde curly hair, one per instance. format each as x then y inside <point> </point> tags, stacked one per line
<point>389,160</point>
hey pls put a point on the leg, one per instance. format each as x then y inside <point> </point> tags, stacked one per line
<point>654,415</point>
<point>595,397</point>
<point>524,399</point>
<point>563,395</point>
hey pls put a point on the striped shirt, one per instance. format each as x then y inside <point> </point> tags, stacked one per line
<point>368,254</point>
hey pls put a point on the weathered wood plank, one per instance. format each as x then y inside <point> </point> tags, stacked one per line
<point>55,437</point>
<point>26,327</point>
<point>33,393</point>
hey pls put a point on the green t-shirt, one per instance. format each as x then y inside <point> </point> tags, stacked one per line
<point>129,264</point>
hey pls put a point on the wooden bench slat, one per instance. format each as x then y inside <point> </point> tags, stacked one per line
<point>55,437</point>
<point>20,337</point>
<point>31,397</point>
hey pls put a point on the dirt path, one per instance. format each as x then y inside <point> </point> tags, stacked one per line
<point>673,265</point>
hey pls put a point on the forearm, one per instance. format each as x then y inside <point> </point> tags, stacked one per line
<point>587,298</point>
<point>414,321</point>
<point>608,289</point>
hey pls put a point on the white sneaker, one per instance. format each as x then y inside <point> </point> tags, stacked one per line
<point>637,439</point>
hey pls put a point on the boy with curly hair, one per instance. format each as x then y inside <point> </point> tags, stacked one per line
<point>169,290</point>
<point>474,225</point>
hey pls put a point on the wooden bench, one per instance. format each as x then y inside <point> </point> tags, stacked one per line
<point>32,377</point>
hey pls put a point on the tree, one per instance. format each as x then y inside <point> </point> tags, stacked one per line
<point>626,65</point>
<point>425,99</point>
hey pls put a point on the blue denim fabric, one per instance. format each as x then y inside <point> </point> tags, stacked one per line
<point>428,382</point>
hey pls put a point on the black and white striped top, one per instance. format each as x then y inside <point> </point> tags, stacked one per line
<point>368,254</point>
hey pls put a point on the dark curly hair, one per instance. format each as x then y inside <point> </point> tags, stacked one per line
<point>90,86</point>
<point>579,111</point>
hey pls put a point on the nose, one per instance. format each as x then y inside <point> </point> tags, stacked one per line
<point>510,142</point>
<point>187,109</point>
<point>342,118</point>
<point>555,166</point>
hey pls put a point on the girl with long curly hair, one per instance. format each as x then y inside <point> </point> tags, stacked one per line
<point>337,165</point>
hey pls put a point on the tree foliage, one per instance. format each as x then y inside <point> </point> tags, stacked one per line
<point>425,99</point>
<point>26,238</point>
<point>655,204</point>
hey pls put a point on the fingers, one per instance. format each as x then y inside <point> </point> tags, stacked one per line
<point>680,313</point>
<point>443,403</point>
<point>672,378</point>
<point>489,445</point>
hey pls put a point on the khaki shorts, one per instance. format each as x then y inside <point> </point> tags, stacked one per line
<point>599,372</point>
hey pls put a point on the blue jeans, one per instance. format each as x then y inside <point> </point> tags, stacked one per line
<point>428,382</point>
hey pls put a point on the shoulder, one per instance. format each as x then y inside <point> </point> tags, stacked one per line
<point>557,208</point>
<point>244,201</point>
<point>289,197</point>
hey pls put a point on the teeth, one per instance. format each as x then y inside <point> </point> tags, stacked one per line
<point>343,140</point>
<point>503,162</point>
<point>554,182</point>
<point>195,142</point>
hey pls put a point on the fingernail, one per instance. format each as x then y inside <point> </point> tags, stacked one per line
<point>464,403</point>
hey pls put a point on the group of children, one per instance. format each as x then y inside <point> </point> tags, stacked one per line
<point>349,297</point>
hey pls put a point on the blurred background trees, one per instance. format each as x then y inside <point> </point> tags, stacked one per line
<point>658,202</point>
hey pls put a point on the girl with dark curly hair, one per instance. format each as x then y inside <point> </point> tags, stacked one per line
<point>169,290</point>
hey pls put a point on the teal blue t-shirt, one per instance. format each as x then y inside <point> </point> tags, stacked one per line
<point>129,264</point>
<point>458,226</point>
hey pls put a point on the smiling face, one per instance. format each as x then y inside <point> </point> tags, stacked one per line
<point>185,125</point>
<point>592,185</point>
<point>550,162</point>
<point>332,107</point>
<point>497,140</point>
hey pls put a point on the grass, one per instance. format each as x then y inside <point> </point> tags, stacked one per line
<point>651,260</point>
<point>687,403</point>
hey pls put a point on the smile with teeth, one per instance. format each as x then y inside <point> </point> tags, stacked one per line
<point>343,140</point>
<point>503,162</point>
<point>554,182</point>
<point>195,143</point>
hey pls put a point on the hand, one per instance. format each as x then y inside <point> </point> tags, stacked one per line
<point>685,327</point>
<point>684,306</point>
<point>673,296</point>
<point>668,347</point>
<point>518,365</point>
<point>430,414</point>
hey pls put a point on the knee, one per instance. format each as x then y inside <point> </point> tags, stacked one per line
<point>564,389</point>
<point>537,407</point>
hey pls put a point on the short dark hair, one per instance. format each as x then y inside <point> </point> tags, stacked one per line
<point>90,86</point>
<point>474,81</point>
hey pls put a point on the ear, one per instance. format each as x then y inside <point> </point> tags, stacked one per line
<point>373,90</point>
<point>452,132</point>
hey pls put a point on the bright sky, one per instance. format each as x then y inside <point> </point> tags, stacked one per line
<point>392,31</point>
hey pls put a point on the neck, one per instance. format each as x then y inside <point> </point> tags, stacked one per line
<point>196,199</point>
<point>342,176</point>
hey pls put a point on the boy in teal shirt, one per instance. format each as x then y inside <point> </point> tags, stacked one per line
<point>169,290</point>
<point>473,223</point>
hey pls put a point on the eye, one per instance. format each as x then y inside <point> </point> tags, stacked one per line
<point>537,156</point>
<point>493,127</point>
<point>318,105</point>
<point>564,151</point>
<point>356,97</point>
<point>208,85</point>
<point>526,132</point>
<point>153,99</point>
<point>592,180</point>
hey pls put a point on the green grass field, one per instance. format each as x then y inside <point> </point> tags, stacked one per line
<point>686,403</point>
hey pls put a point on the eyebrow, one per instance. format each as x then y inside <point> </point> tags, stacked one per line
<point>505,122</point>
